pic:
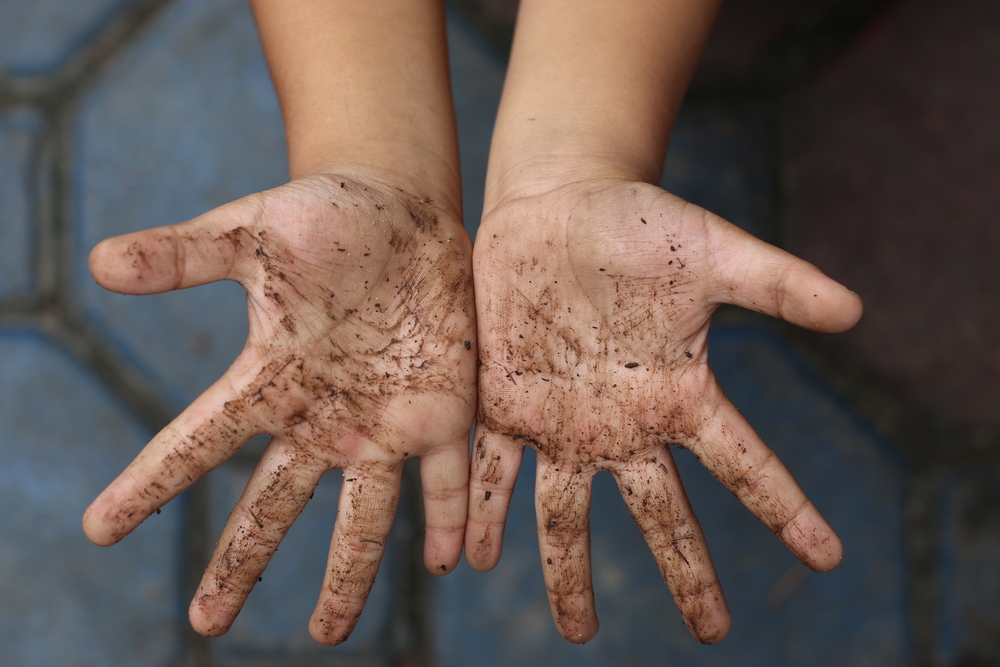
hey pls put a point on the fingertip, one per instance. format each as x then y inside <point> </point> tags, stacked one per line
<point>97,533</point>
<point>144,262</point>
<point>204,621</point>
<point>814,542</point>
<point>107,522</point>
<point>483,547</point>
<point>829,556</point>
<point>100,260</point>
<point>849,311</point>
<point>828,306</point>
<point>575,618</point>
<point>330,630</point>
<point>442,551</point>
<point>712,623</point>
<point>815,301</point>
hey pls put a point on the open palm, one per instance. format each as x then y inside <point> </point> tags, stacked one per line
<point>361,354</point>
<point>594,304</point>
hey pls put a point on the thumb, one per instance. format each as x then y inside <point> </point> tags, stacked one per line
<point>196,252</point>
<point>758,276</point>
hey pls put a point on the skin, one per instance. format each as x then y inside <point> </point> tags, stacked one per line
<point>362,344</point>
<point>595,291</point>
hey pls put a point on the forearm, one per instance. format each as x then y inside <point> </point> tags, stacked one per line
<point>363,86</point>
<point>593,86</point>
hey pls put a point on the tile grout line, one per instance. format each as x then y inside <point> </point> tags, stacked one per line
<point>52,310</point>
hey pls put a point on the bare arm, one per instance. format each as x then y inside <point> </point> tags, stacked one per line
<point>594,86</point>
<point>363,83</point>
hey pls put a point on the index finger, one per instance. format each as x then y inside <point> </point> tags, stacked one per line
<point>207,433</point>
<point>736,456</point>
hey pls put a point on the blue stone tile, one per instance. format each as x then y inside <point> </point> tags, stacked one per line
<point>273,624</point>
<point>64,601</point>
<point>37,37</point>
<point>970,568</point>
<point>20,135</point>
<point>477,75</point>
<point>782,614</point>
<point>182,121</point>
<point>719,159</point>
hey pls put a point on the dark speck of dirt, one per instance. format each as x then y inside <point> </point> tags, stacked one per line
<point>488,494</point>
<point>549,561</point>
<point>643,220</point>
<point>688,354</point>
<point>468,345</point>
<point>444,568</point>
<point>341,184</point>
<point>631,364</point>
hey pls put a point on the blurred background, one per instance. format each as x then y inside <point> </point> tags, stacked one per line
<point>861,135</point>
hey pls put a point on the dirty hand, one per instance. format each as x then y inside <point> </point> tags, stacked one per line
<point>361,354</point>
<point>594,302</point>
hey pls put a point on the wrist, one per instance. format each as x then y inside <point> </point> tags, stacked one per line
<point>543,173</point>
<point>421,174</point>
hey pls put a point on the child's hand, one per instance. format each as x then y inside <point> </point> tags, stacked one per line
<point>361,354</point>
<point>594,304</point>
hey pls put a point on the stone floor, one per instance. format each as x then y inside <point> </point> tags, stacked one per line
<point>863,135</point>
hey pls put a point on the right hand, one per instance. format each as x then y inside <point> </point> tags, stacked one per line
<point>594,302</point>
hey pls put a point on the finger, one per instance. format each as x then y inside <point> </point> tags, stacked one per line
<point>736,456</point>
<point>202,250</point>
<point>207,433</point>
<point>495,462</point>
<point>279,488</point>
<point>655,496</point>
<point>562,510</point>
<point>367,505</point>
<point>761,277</point>
<point>444,476</point>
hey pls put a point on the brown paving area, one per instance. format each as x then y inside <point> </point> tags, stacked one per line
<point>894,186</point>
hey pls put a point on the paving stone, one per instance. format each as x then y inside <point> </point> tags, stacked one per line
<point>272,628</point>
<point>894,160</point>
<point>783,615</point>
<point>64,601</point>
<point>182,121</point>
<point>37,37</point>
<point>20,134</point>
<point>970,569</point>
